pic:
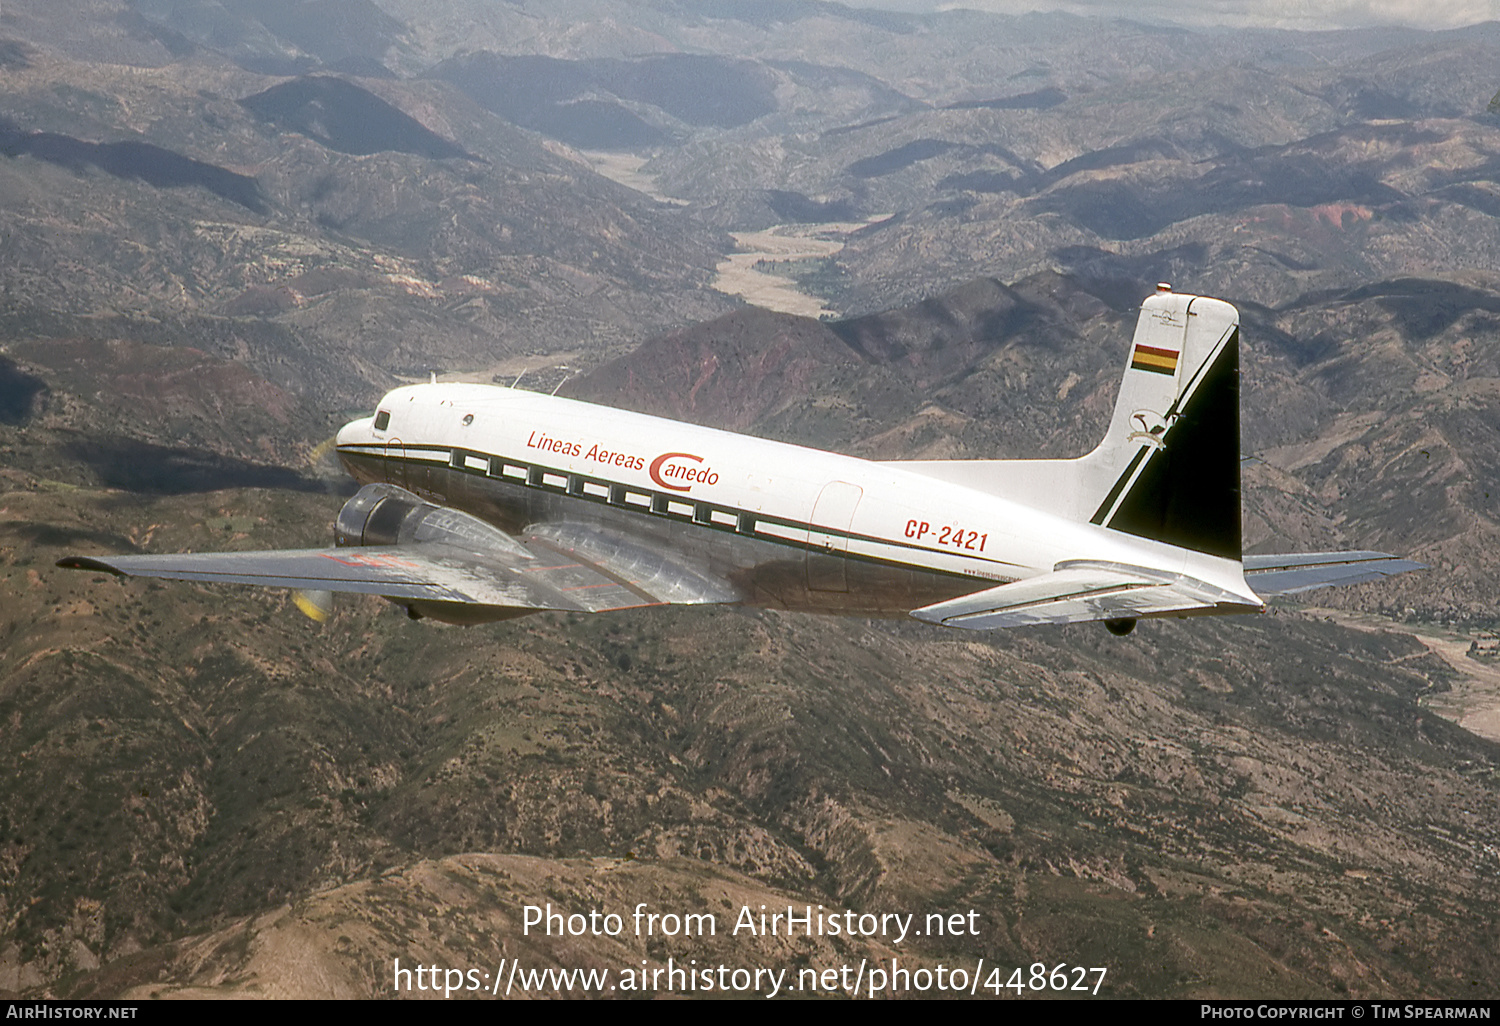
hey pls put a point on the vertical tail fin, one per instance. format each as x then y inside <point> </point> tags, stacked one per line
<point>1172,452</point>
<point>1169,465</point>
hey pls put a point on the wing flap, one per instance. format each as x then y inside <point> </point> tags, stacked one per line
<point>1289,574</point>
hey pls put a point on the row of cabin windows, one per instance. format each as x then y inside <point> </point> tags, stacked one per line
<point>613,494</point>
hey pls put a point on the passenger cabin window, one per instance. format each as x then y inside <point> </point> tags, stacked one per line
<point>382,420</point>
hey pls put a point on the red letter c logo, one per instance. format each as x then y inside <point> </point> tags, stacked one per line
<point>656,465</point>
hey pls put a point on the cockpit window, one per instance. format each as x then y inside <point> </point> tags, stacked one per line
<point>382,420</point>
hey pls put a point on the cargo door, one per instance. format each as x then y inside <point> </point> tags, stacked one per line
<point>828,536</point>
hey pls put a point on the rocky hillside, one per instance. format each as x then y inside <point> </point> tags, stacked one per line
<point>1250,807</point>
<point>316,229</point>
<point>227,227</point>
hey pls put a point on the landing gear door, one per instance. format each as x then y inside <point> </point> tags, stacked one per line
<point>828,537</point>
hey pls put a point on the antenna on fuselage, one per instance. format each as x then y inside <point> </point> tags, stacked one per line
<point>564,381</point>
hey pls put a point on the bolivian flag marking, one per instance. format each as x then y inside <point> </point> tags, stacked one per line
<point>1157,361</point>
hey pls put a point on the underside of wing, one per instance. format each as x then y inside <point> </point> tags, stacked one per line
<point>648,571</point>
<point>1081,591</point>
<point>571,571</point>
<point>1303,571</point>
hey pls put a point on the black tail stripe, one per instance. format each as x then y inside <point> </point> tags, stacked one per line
<point>1172,411</point>
<point>1189,496</point>
<point>1119,486</point>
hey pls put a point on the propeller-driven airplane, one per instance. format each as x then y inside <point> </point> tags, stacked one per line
<point>484,503</point>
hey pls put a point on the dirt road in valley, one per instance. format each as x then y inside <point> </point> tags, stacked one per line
<point>1474,702</point>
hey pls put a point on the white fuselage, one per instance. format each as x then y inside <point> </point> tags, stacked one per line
<point>790,526</point>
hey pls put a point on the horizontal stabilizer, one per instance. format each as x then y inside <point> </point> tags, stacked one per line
<point>1080,591</point>
<point>1288,574</point>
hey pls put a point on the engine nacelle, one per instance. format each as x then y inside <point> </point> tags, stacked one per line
<point>385,514</point>
<point>382,514</point>
<point>377,514</point>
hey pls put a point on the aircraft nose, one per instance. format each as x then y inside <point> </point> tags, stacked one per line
<point>354,431</point>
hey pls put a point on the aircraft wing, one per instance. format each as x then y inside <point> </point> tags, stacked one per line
<point>1303,571</point>
<point>1079,591</point>
<point>551,569</point>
